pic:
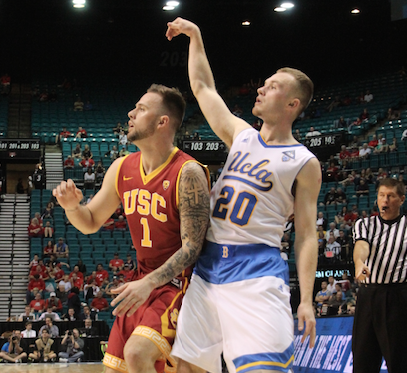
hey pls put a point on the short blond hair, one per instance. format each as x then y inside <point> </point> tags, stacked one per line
<point>305,86</point>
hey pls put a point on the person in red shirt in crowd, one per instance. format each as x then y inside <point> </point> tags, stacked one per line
<point>5,82</point>
<point>48,250</point>
<point>76,281</point>
<point>64,134</point>
<point>53,302</point>
<point>36,283</point>
<point>76,271</point>
<point>48,230</point>
<point>86,163</point>
<point>39,270</point>
<point>35,229</point>
<point>81,133</point>
<point>116,264</point>
<point>352,215</point>
<point>119,211</point>
<point>38,304</point>
<point>36,262</point>
<point>354,152</point>
<point>127,273</point>
<point>121,224</point>
<point>108,225</point>
<point>91,277</point>
<point>99,302</point>
<point>69,162</point>
<point>373,142</point>
<point>344,154</point>
<point>101,275</point>
<point>37,215</point>
<point>58,273</point>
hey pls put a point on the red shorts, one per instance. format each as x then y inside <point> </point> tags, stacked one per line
<point>156,320</point>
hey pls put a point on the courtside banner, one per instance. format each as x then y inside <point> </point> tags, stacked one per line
<point>333,347</point>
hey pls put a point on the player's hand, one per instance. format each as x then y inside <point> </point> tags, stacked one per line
<point>361,270</point>
<point>68,195</point>
<point>131,296</point>
<point>180,26</point>
<point>305,314</point>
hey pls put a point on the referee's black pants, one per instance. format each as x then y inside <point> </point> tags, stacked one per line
<point>380,328</point>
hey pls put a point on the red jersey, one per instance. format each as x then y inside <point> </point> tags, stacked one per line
<point>128,275</point>
<point>150,203</point>
<point>79,274</point>
<point>120,224</point>
<point>116,263</point>
<point>37,305</point>
<point>99,303</point>
<point>48,250</point>
<point>101,276</point>
<point>39,284</point>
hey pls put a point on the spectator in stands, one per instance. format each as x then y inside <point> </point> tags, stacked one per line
<point>34,262</point>
<point>48,211</point>
<point>48,230</point>
<point>48,250</point>
<point>81,133</point>
<point>77,281</point>
<point>321,243</point>
<point>11,351</point>
<point>99,302</point>
<point>312,133</point>
<point>364,153</point>
<point>118,128</point>
<point>127,273</point>
<point>89,179</point>
<point>88,314</point>
<point>116,264</point>
<point>332,250</point>
<point>121,224</point>
<point>340,196</point>
<point>87,163</point>
<point>61,249</point>
<point>393,114</point>
<point>38,304</point>
<point>27,314</point>
<point>82,267</point>
<point>64,134</point>
<point>113,285</point>
<point>321,220</point>
<point>286,246</point>
<point>76,270</point>
<point>330,197</point>
<point>344,241</point>
<point>344,153</point>
<point>74,346</point>
<point>78,105</point>
<point>123,152</point>
<point>51,314</point>
<point>101,275</point>
<point>364,115</point>
<point>5,83</point>
<point>113,153</point>
<point>88,106</point>
<point>341,123</point>
<point>122,138</point>
<point>131,262</point>
<point>65,283</point>
<point>43,350</point>
<point>322,296</point>
<point>77,152</point>
<point>90,289</point>
<point>373,142</point>
<point>39,269</point>
<point>331,173</point>
<point>356,123</point>
<point>362,189</point>
<point>108,225</point>
<point>297,135</point>
<point>29,332</point>
<point>340,216</point>
<point>74,300</point>
<point>100,172</point>
<point>86,152</point>
<point>35,229</point>
<point>393,145</point>
<point>332,229</point>
<point>57,274</point>
<point>368,97</point>
<point>35,285</point>
<point>70,315</point>
<point>334,103</point>
<point>331,285</point>
<point>88,330</point>
<point>381,147</point>
<point>69,162</point>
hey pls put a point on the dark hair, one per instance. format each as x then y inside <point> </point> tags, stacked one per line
<point>172,101</point>
<point>393,183</point>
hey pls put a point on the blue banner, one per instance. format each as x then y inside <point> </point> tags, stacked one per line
<point>333,348</point>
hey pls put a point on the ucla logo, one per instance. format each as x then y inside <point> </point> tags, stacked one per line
<point>259,177</point>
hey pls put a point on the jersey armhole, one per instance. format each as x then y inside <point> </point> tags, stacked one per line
<point>117,175</point>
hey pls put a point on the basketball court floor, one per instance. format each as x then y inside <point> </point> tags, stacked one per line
<point>52,368</point>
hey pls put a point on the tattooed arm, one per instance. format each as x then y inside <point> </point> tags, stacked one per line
<point>194,215</point>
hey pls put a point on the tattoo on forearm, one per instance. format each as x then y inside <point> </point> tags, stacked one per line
<point>194,216</point>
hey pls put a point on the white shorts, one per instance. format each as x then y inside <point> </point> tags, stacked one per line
<point>250,321</point>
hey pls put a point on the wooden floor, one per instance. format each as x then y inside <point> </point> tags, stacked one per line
<point>52,368</point>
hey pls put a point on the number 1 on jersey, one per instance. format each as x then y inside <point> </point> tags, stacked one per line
<point>146,241</point>
<point>242,209</point>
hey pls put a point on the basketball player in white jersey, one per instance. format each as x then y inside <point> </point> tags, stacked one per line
<point>238,302</point>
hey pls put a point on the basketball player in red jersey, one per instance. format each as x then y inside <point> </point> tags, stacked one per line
<point>165,197</point>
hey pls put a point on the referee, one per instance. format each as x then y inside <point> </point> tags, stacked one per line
<point>380,256</point>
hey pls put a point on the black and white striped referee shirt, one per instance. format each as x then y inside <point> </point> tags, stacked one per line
<point>387,260</point>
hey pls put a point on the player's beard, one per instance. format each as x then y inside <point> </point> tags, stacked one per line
<point>137,135</point>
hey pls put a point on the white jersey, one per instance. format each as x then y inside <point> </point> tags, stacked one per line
<point>252,199</point>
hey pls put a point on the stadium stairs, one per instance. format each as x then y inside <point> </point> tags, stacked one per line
<point>14,254</point>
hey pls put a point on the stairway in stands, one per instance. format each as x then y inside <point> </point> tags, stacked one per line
<point>53,166</point>
<point>14,254</point>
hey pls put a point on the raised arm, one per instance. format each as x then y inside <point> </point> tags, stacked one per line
<point>306,246</point>
<point>89,218</point>
<point>194,215</point>
<point>218,115</point>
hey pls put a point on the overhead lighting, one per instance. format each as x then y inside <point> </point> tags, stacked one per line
<point>79,3</point>
<point>287,5</point>
<point>168,7</point>
<point>280,9</point>
<point>355,11</point>
<point>246,23</point>
<point>172,3</point>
